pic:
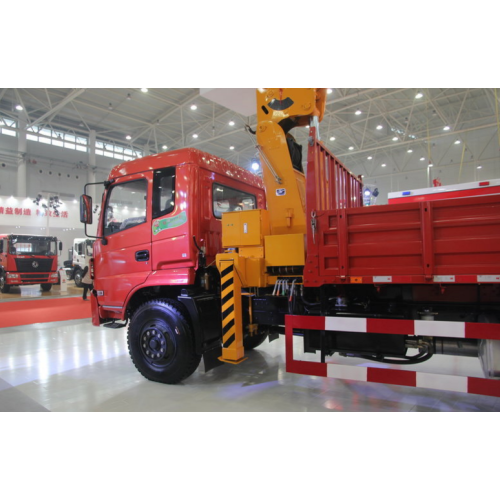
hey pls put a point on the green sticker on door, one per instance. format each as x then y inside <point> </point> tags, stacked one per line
<point>170,223</point>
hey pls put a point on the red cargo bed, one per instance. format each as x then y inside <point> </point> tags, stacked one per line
<point>442,241</point>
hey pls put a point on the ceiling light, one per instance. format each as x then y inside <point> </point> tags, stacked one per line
<point>19,107</point>
<point>358,112</point>
<point>128,137</point>
<point>370,158</point>
<point>144,90</point>
<point>351,148</point>
<point>195,136</point>
<point>110,106</point>
<point>395,138</point>
<point>255,164</point>
<point>194,107</point>
<point>329,91</point>
<point>380,127</point>
<point>457,142</point>
<point>164,146</point>
<point>422,159</point>
<point>231,123</point>
<point>479,166</point>
<point>129,97</point>
<point>332,138</point>
<point>231,147</point>
<point>431,164</point>
<point>410,151</point>
<point>446,128</point>
<point>419,95</point>
<point>384,165</point>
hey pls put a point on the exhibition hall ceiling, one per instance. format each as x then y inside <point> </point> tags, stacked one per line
<point>374,131</point>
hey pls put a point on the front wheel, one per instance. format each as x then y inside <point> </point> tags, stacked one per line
<point>4,288</point>
<point>46,287</point>
<point>161,343</point>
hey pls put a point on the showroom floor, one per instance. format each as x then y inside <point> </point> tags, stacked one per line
<point>73,366</point>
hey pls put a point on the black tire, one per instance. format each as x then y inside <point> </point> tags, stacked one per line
<point>46,287</point>
<point>4,288</point>
<point>78,278</point>
<point>251,342</point>
<point>161,343</point>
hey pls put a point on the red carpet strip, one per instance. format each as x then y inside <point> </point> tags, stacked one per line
<point>28,312</point>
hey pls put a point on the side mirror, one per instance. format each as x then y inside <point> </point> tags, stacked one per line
<point>60,246</point>
<point>86,209</point>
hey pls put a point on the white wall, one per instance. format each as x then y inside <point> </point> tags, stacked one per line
<point>63,173</point>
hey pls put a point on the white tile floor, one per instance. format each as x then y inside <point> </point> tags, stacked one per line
<point>73,366</point>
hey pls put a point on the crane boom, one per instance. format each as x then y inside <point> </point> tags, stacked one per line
<point>278,112</point>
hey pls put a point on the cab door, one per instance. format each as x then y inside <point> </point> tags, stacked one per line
<point>123,260</point>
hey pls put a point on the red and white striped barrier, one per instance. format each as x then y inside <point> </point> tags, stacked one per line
<point>473,385</point>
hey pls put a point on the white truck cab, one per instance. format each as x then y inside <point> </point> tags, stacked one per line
<point>82,253</point>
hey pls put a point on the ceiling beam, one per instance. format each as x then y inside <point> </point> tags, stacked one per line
<point>70,97</point>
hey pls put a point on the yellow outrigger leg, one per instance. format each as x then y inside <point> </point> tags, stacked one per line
<point>232,323</point>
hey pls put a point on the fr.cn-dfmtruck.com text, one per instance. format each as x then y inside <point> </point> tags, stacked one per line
<point>345,481</point>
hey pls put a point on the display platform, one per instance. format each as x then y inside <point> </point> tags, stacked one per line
<point>17,309</point>
<point>19,293</point>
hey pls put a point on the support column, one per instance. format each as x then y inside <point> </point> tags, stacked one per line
<point>92,165</point>
<point>21,150</point>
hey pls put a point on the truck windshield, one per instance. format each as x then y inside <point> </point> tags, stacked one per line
<point>33,245</point>
<point>126,206</point>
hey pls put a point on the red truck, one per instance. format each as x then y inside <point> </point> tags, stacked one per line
<point>158,233</point>
<point>376,290</point>
<point>28,260</point>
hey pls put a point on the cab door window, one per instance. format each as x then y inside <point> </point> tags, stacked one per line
<point>163,192</point>
<point>126,206</point>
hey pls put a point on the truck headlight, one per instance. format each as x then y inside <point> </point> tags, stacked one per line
<point>13,276</point>
<point>54,275</point>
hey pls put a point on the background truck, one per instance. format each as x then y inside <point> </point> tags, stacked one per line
<point>376,290</point>
<point>28,260</point>
<point>81,254</point>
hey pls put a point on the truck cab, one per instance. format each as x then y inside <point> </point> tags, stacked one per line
<point>28,260</point>
<point>160,225</point>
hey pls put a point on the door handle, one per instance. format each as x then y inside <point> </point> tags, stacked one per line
<point>142,255</point>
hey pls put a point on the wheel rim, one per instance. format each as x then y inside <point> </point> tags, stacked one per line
<point>2,281</point>
<point>78,279</point>
<point>156,345</point>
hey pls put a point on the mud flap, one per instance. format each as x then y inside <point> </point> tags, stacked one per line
<point>211,358</point>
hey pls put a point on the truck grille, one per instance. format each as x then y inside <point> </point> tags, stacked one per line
<point>26,265</point>
<point>34,278</point>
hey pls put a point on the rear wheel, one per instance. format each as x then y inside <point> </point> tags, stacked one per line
<point>4,288</point>
<point>46,287</point>
<point>252,341</point>
<point>78,278</point>
<point>161,343</point>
